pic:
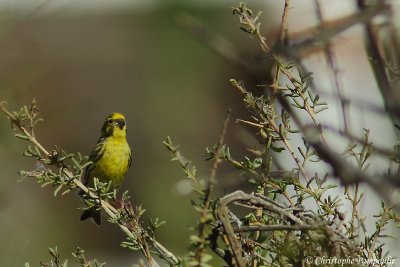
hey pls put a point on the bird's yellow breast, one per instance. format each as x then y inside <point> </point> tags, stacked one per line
<point>114,163</point>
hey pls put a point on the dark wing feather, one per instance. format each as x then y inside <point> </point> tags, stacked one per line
<point>92,213</point>
<point>130,159</point>
<point>96,154</point>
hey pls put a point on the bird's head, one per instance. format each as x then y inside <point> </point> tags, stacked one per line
<point>115,125</point>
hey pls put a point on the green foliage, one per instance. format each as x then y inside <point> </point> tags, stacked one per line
<point>78,256</point>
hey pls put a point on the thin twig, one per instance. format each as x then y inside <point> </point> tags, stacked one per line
<point>380,224</point>
<point>209,186</point>
<point>353,138</point>
<point>253,228</point>
<point>282,38</point>
<point>334,69</point>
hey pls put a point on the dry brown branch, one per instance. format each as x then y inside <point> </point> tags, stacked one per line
<point>218,44</point>
<point>303,45</point>
<point>379,66</point>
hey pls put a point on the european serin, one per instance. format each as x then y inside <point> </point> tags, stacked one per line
<point>111,159</point>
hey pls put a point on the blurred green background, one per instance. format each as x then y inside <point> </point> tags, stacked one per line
<point>83,61</point>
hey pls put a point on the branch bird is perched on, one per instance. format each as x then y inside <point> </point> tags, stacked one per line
<point>111,159</point>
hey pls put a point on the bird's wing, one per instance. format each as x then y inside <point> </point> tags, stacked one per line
<point>96,154</point>
<point>130,159</point>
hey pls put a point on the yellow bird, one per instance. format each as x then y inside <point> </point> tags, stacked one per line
<point>111,159</point>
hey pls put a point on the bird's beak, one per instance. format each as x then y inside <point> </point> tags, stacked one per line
<point>121,124</point>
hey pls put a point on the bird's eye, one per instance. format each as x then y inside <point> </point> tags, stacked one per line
<point>109,121</point>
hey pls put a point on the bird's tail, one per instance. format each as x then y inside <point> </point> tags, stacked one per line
<point>92,213</point>
<point>81,193</point>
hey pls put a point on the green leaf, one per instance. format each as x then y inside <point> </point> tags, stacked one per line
<point>206,258</point>
<point>196,239</point>
<point>321,109</point>
<point>22,136</point>
<point>257,163</point>
<point>57,190</point>
<point>277,149</point>
<point>330,186</point>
